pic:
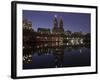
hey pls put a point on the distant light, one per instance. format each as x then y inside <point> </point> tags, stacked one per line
<point>55,15</point>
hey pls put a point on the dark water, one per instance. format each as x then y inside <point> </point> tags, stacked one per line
<point>53,56</point>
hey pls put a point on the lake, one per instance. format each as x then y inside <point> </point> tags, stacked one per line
<point>47,55</point>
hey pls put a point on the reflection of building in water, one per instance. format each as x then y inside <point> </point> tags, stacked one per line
<point>56,51</point>
<point>58,54</point>
<point>27,59</point>
<point>27,56</point>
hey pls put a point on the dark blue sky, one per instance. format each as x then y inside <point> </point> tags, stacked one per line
<point>74,22</point>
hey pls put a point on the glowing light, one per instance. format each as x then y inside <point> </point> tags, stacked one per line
<point>55,16</point>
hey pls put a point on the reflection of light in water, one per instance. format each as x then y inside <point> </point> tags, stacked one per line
<point>30,55</point>
<point>27,58</point>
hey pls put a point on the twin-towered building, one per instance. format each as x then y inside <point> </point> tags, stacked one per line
<point>57,25</point>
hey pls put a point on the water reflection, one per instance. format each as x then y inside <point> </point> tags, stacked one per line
<point>53,55</point>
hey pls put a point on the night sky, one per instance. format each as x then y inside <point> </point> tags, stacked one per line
<point>74,22</point>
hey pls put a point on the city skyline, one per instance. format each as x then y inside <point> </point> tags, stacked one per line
<point>74,22</point>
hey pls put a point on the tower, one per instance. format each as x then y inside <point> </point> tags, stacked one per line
<point>55,24</point>
<point>61,29</point>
